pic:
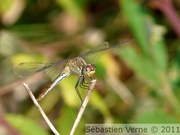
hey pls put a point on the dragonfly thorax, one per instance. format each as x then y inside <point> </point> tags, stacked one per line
<point>89,70</point>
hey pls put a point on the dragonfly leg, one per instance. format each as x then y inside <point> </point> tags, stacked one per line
<point>84,84</point>
<point>76,87</point>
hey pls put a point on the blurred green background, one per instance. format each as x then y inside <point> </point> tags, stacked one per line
<point>136,83</point>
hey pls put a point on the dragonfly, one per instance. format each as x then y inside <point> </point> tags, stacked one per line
<point>83,66</point>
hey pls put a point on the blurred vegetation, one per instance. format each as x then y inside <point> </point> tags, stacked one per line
<point>137,83</point>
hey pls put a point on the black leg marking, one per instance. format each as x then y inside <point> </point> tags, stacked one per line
<point>84,84</point>
<point>76,87</point>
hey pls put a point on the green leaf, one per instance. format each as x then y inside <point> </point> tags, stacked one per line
<point>153,59</point>
<point>5,5</point>
<point>142,66</point>
<point>26,58</point>
<point>67,89</point>
<point>96,101</point>
<point>39,33</point>
<point>100,70</point>
<point>25,125</point>
<point>137,16</point>
<point>160,55</point>
<point>66,121</point>
<point>156,116</point>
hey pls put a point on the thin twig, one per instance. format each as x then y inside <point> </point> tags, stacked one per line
<point>84,104</point>
<point>40,110</point>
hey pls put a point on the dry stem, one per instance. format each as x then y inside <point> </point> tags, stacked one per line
<point>40,110</point>
<point>80,113</point>
<point>84,104</point>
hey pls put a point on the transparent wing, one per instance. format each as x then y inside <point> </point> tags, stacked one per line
<point>93,55</point>
<point>56,69</point>
<point>27,69</point>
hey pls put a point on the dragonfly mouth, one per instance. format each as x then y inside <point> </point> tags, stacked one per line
<point>89,70</point>
<point>91,73</point>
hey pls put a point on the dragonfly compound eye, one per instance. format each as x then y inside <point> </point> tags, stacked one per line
<point>90,70</point>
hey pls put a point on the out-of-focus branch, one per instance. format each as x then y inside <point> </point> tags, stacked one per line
<point>6,125</point>
<point>167,8</point>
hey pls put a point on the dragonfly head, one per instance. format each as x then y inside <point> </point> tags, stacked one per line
<point>89,70</point>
